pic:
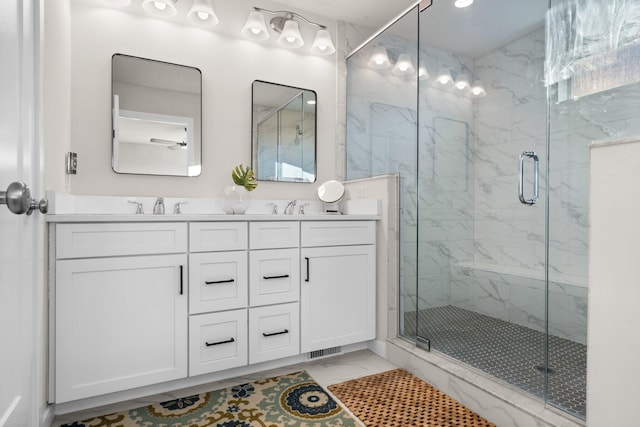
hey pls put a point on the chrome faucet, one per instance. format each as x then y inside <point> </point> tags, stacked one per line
<point>288,210</point>
<point>176,207</point>
<point>139,208</point>
<point>158,207</point>
<point>274,208</point>
<point>302,207</point>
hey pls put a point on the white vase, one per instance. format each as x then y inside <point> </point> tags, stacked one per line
<point>236,200</point>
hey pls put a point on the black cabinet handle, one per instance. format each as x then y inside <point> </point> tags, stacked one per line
<point>181,281</point>
<point>210,344</point>
<point>307,260</point>
<point>286,331</point>
<point>215,282</point>
<point>275,277</point>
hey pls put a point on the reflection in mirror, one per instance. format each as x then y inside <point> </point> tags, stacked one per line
<point>284,133</point>
<point>156,110</point>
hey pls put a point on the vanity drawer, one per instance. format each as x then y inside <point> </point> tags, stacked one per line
<point>274,332</point>
<point>274,276</point>
<point>217,236</point>
<point>119,239</point>
<point>274,235</point>
<point>217,281</point>
<point>337,233</point>
<point>217,341</point>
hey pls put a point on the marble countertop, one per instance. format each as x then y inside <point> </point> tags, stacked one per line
<point>76,218</point>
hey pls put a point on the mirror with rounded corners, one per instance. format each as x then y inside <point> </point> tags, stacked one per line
<point>156,117</point>
<point>283,133</point>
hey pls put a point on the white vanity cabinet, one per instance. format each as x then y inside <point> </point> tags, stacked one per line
<point>120,321</point>
<point>141,301</point>
<point>337,301</point>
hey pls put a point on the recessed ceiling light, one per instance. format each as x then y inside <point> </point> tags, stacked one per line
<point>463,3</point>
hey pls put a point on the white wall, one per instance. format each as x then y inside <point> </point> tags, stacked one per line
<point>614,318</point>
<point>228,64</point>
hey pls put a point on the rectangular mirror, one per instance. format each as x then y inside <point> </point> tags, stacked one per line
<point>283,133</point>
<point>156,117</point>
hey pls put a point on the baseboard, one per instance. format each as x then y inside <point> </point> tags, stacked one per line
<point>378,347</point>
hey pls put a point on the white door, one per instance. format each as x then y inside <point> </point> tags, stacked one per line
<point>22,284</point>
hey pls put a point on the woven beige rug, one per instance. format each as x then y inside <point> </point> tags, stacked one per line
<point>398,399</point>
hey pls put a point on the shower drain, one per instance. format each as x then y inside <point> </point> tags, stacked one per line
<point>544,369</point>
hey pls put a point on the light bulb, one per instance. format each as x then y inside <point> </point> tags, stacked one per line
<point>255,28</point>
<point>462,82</point>
<point>290,39</point>
<point>159,5</point>
<point>379,59</point>
<point>444,76</point>
<point>203,15</point>
<point>463,3</point>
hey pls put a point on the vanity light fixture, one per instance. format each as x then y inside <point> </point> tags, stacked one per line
<point>403,66</point>
<point>380,58</point>
<point>164,8</point>
<point>286,24</point>
<point>463,3</point>
<point>202,13</point>
<point>255,28</point>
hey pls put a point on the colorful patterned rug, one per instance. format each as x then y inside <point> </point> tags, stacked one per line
<point>293,400</point>
<point>398,399</point>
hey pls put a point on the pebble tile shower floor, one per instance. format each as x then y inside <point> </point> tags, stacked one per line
<point>509,352</point>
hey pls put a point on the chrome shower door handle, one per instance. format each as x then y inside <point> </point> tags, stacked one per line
<point>536,178</point>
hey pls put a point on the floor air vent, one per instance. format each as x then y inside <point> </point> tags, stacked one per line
<point>325,352</point>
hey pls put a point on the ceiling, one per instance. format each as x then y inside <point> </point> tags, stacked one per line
<point>371,14</point>
<point>484,26</point>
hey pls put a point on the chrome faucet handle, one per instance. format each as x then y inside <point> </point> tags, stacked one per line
<point>302,207</point>
<point>274,208</point>
<point>176,207</point>
<point>139,208</point>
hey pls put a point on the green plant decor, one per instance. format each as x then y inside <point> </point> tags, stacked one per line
<point>244,176</point>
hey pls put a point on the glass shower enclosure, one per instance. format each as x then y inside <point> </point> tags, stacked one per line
<point>487,113</point>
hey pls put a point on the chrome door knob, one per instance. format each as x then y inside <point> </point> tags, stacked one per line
<point>18,199</point>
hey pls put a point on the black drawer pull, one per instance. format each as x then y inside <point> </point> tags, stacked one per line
<point>275,277</point>
<point>216,282</point>
<point>181,280</point>
<point>286,331</point>
<point>210,344</point>
<point>307,260</point>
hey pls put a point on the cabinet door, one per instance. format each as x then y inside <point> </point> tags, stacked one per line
<point>217,281</point>
<point>337,296</point>
<point>217,341</point>
<point>121,323</point>
<point>274,332</point>
<point>274,276</point>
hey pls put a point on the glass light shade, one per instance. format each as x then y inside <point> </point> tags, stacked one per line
<point>463,3</point>
<point>323,45</point>
<point>380,59</point>
<point>165,8</point>
<point>444,76</point>
<point>423,74</point>
<point>201,13</point>
<point>403,66</point>
<point>115,3</point>
<point>477,90</point>
<point>290,36</point>
<point>462,82</point>
<point>255,28</point>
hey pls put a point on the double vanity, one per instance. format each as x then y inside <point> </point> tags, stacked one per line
<point>141,300</point>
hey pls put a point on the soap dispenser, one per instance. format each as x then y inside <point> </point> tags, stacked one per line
<point>158,207</point>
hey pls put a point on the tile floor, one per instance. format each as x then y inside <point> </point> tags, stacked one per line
<point>327,371</point>
<point>508,352</point>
